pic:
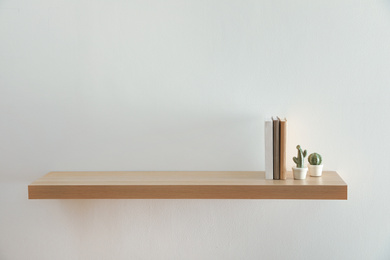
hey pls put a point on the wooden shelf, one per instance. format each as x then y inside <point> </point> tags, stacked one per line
<point>184,185</point>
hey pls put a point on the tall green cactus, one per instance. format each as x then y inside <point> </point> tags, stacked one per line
<point>301,157</point>
<point>315,159</point>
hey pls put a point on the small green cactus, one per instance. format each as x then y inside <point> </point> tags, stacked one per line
<point>301,157</point>
<point>315,159</point>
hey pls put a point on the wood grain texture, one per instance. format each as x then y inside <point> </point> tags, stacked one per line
<point>184,185</point>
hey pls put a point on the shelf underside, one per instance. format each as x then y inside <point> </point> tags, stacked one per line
<point>184,185</point>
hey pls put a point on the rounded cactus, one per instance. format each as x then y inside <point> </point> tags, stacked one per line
<point>315,159</point>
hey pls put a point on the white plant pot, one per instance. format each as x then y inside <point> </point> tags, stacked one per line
<point>299,173</point>
<point>315,170</point>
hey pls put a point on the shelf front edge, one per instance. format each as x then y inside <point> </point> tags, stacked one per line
<point>326,192</point>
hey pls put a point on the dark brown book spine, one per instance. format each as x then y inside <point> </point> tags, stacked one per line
<point>283,147</point>
<point>276,141</point>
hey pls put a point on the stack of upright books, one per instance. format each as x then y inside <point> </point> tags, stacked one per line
<point>275,148</point>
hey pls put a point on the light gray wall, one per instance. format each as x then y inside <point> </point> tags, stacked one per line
<point>186,85</point>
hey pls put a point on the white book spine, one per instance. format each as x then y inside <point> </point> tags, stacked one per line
<point>268,135</point>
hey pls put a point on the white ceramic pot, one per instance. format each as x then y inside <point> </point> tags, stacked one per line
<point>315,170</point>
<point>299,173</point>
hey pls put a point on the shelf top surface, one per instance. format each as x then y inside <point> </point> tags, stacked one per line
<point>137,178</point>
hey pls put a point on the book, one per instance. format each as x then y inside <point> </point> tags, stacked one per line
<point>268,137</point>
<point>283,147</point>
<point>276,147</point>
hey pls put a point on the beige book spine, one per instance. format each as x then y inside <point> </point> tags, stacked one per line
<point>283,148</point>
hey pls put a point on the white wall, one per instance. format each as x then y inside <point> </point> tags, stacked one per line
<point>185,85</point>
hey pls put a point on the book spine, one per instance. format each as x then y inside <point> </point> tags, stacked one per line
<point>268,135</point>
<point>283,147</point>
<point>276,150</point>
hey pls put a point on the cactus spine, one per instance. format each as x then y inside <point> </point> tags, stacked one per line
<point>301,157</point>
<point>315,159</point>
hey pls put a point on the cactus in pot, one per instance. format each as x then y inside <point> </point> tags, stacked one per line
<point>299,171</point>
<point>315,167</point>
